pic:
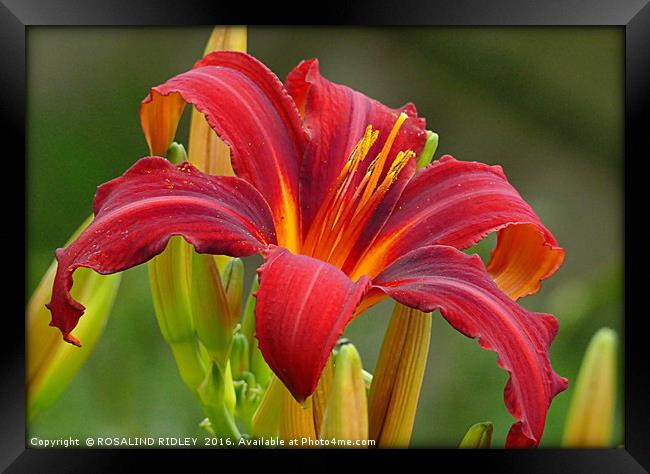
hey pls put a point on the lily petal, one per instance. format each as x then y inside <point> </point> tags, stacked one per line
<point>248,108</point>
<point>303,305</point>
<point>207,152</point>
<point>457,203</point>
<point>441,277</point>
<point>336,117</point>
<point>137,213</point>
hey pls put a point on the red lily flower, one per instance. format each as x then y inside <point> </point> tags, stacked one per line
<point>338,232</point>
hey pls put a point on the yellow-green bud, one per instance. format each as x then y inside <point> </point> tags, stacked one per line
<point>51,362</point>
<point>239,358</point>
<point>217,395</point>
<point>322,393</point>
<point>430,147</point>
<point>589,423</point>
<point>176,153</point>
<point>346,415</point>
<point>397,379</point>
<point>170,279</point>
<point>233,283</point>
<point>257,365</point>
<point>266,420</point>
<point>296,420</point>
<point>213,319</point>
<point>479,436</point>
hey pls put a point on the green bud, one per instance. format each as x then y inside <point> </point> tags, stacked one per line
<point>239,358</point>
<point>266,420</point>
<point>479,436</point>
<point>248,318</point>
<point>589,423</point>
<point>249,394</point>
<point>346,415</point>
<point>169,279</point>
<point>398,376</point>
<point>176,153</point>
<point>428,151</point>
<point>217,395</point>
<point>51,362</point>
<point>257,365</point>
<point>213,319</point>
<point>233,283</point>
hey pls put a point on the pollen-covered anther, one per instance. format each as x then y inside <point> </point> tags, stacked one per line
<point>400,162</point>
<point>332,208</point>
<point>346,210</point>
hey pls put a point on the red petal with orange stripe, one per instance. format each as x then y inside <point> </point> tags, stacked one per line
<point>249,109</point>
<point>335,117</point>
<point>441,277</point>
<point>137,213</point>
<point>458,203</point>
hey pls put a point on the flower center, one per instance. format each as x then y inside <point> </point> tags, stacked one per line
<point>350,204</point>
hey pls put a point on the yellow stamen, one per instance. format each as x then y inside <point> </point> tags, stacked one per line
<point>363,213</point>
<point>353,199</point>
<point>376,170</point>
<point>343,183</point>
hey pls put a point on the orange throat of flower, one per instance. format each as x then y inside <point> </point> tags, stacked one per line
<point>351,202</point>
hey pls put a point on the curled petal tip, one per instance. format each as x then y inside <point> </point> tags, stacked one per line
<point>475,306</point>
<point>137,214</point>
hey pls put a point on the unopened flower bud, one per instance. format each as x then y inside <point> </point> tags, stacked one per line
<point>169,279</point>
<point>479,436</point>
<point>233,284</point>
<point>346,414</point>
<point>217,395</point>
<point>397,379</point>
<point>239,357</point>
<point>207,151</point>
<point>430,147</point>
<point>176,153</point>
<point>589,423</point>
<point>213,319</point>
<point>52,363</point>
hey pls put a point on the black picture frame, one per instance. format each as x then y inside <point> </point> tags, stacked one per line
<point>17,15</point>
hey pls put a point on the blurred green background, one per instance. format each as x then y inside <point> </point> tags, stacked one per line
<point>546,103</point>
